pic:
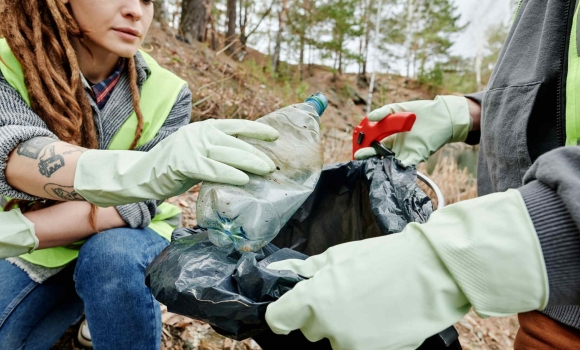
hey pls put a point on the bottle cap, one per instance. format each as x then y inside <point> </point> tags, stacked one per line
<point>318,101</point>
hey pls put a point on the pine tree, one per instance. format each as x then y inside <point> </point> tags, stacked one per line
<point>300,25</point>
<point>425,30</point>
<point>344,24</point>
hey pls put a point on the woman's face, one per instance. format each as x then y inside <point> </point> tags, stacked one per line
<point>118,26</point>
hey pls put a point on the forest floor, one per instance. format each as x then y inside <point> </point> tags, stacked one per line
<point>226,88</point>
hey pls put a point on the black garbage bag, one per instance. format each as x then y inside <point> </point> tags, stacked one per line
<point>231,290</point>
<point>353,201</point>
<point>219,285</point>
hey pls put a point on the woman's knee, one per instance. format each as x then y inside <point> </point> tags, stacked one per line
<point>112,258</point>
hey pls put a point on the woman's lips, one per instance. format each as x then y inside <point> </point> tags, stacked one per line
<point>127,33</point>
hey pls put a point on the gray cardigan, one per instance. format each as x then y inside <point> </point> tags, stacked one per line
<point>18,123</point>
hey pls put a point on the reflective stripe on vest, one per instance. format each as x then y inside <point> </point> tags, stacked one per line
<point>158,95</point>
<point>573,88</point>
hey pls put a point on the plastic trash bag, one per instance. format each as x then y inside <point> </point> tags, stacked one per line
<point>221,286</point>
<point>230,290</point>
<point>353,201</point>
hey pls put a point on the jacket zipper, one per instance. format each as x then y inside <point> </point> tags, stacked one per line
<point>517,11</point>
<point>561,97</point>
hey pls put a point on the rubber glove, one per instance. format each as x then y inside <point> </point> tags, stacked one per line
<point>202,151</point>
<point>17,235</point>
<point>395,291</point>
<point>443,120</point>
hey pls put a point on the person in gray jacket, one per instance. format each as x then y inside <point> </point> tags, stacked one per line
<point>515,249</point>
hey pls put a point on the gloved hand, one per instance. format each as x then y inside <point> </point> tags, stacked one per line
<point>395,291</point>
<point>202,151</point>
<point>17,235</point>
<point>443,120</point>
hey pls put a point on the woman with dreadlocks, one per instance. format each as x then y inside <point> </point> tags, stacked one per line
<point>89,148</point>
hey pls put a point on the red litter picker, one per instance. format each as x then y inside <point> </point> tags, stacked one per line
<point>369,134</point>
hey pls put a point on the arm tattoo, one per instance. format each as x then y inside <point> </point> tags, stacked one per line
<point>50,162</point>
<point>32,147</point>
<point>75,149</point>
<point>59,192</point>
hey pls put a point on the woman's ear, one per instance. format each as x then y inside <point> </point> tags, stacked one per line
<point>65,1</point>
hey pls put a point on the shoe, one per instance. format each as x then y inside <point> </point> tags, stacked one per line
<point>84,336</point>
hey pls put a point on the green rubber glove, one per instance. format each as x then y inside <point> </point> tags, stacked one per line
<point>443,120</point>
<point>202,151</point>
<point>16,234</point>
<point>393,292</point>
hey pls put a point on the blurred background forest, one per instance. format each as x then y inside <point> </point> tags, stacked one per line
<point>246,58</point>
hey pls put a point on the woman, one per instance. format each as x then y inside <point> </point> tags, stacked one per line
<point>86,119</point>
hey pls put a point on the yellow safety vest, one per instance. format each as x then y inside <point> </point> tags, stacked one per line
<point>158,95</point>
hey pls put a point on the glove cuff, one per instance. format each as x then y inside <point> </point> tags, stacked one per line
<point>27,229</point>
<point>491,248</point>
<point>108,178</point>
<point>17,234</point>
<point>461,122</point>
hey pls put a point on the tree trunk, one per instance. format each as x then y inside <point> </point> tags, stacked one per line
<point>213,32</point>
<point>160,13</point>
<point>306,6</point>
<point>409,33</point>
<point>414,64</point>
<point>479,63</point>
<point>231,33</point>
<point>301,59</point>
<point>195,15</point>
<point>310,60</point>
<point>367,38</point>
<point>277,48</point>
<point>340,61</point>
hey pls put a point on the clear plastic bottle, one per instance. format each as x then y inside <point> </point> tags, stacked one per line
<point>251,216</point>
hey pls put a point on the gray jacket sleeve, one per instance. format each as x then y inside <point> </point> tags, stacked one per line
<point>18,123</point>
<point>552,196</point>
<point>139,215</point>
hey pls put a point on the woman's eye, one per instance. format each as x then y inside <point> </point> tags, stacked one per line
<point>147,2</point>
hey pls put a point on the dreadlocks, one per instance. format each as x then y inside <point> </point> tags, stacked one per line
<point>39,33</point>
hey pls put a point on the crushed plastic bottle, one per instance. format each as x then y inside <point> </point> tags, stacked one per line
<point>250,216</point>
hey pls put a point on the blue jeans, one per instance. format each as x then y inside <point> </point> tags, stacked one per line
<point>107,282</point>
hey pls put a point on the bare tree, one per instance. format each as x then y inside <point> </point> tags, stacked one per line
<point>245,14</point>
<point>160,13</point>
<point>231,33</point>
<point>281,26</point>
<point>195,15</point>
<point>367,36</point>
<point>409,33</point>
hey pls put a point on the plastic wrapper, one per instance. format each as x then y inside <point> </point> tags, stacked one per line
<point>230,290</point>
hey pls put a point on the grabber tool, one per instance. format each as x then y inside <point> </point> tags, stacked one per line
<point>369,134</point>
